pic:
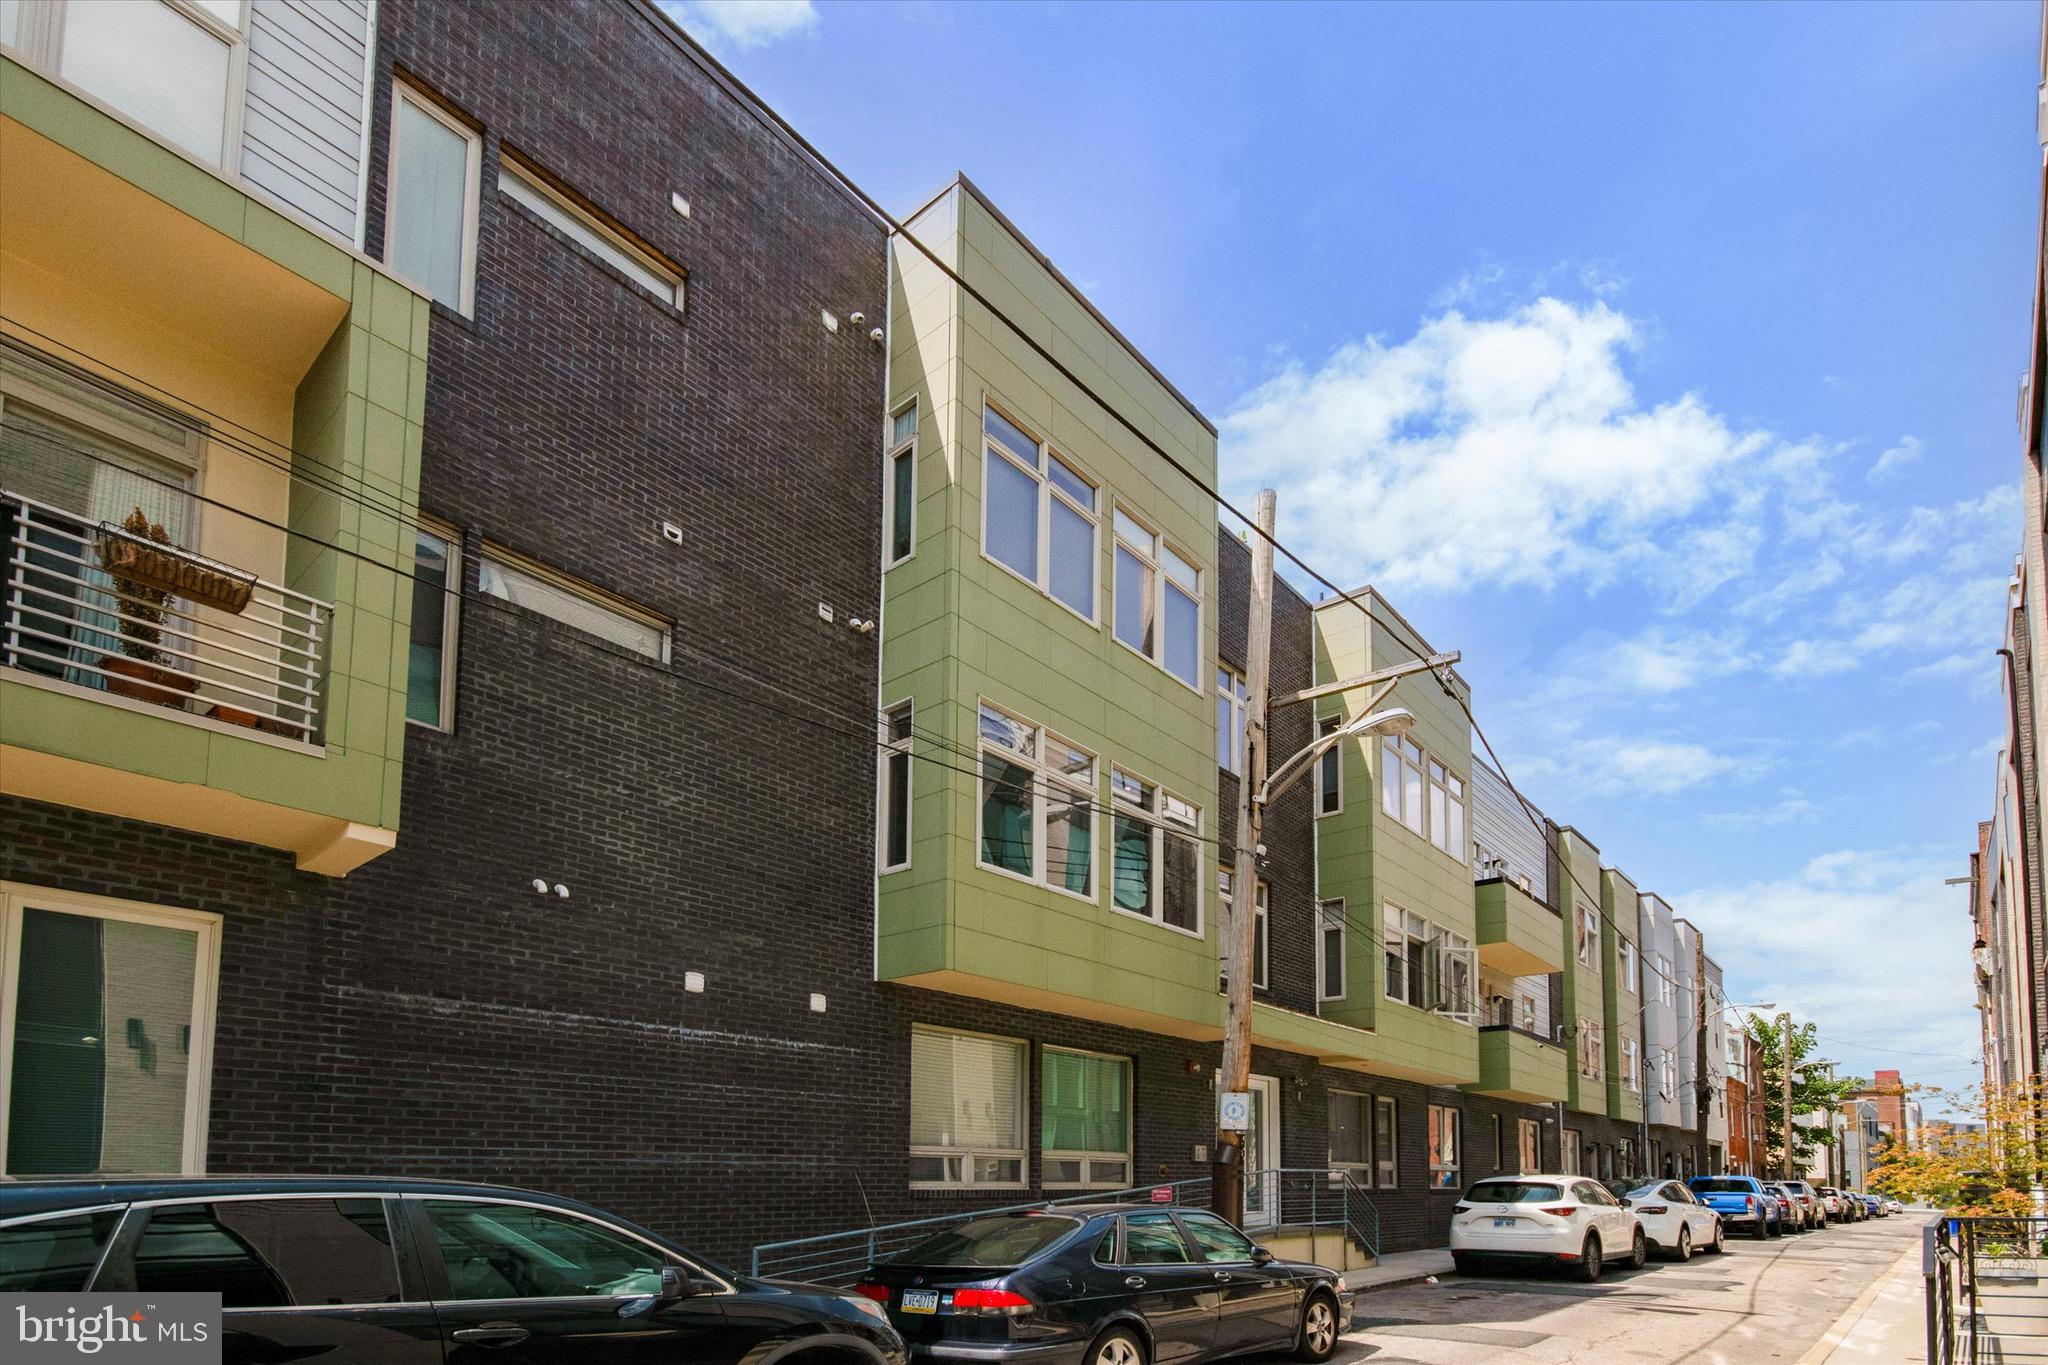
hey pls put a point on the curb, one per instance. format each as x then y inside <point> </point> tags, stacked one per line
<point>1853,1314</point>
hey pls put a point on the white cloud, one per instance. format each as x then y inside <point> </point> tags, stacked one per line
<point>1895,458</point>
<point>1793,808</point>
<point>1611,765</point>
<point>748,23</point>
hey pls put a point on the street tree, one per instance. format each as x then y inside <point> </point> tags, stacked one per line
<point>1812,1089</point>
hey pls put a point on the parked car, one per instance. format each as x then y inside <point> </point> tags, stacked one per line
<point>1674,1221</point>
<point>1556,1219</point>
<point>1875,1204</point>
<point>1809,1198</point>
<point>1742,1201</point>
<point>1831,1200</point>
<point>1791,1213</point>
<point>305,1267</point>
<point>1894,1206</point>
<point>1105,1284</point>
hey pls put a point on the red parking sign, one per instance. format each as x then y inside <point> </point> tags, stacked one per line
<point>1162,1194</point>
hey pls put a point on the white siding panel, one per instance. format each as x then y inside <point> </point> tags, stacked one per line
<point>1502,829</point>
<point>302,125</point>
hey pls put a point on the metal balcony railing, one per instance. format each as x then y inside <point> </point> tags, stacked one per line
<point>65,618</point>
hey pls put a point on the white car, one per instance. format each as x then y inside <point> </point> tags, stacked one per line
<point>1895,1206</point>
<point>1676,1223</point>
<point>1556,1219</point>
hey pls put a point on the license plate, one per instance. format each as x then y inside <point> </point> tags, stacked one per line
<point>1503,1222</point>
<point>920,1300</point>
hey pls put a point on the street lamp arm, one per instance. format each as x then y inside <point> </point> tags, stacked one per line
<point>1398,720</point>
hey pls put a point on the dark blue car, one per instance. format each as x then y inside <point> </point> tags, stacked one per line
<point>1741,1201</point>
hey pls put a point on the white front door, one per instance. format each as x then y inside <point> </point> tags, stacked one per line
<point>1262,1153</point>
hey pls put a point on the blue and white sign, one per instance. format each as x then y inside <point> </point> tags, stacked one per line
<point>1234,1111</point>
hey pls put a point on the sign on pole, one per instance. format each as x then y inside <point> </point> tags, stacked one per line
<point>1234,1111</point>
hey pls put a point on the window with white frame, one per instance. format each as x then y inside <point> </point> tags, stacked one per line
<point>1406,943</point>
<point>1226,897</point>
<point>1629,967</point>
<point>533,190</point>
<point>1447,810</point>
<point>1528,1146</point>
<point>902,471</point>
<point>173,66</point>
<point>1085,1118</point>
<point>1588,935</point>
<point>1350,1129</point>
<point>1667,1075</point>
<point>1038,796</point>
<point>436,601</point>
<point>1158,600</point>
<point>1230,720</point>
<point>549,592</point>
<point>1158,853</point>
<point>1330,770</point>
<point>967,1110</point>
<point>1631,1065</point>
<point>106,1010</point>
<point>1666,989</point>
<point>1039,514</point>
<point>1592,1050</point>
<point>431,198</point>
<point>1386,1156</point>
<point>1428,967</point>
<point>1401,780</point>
<point>894,802</point>
<point>1332,951</point>
<point>1444,1154</point>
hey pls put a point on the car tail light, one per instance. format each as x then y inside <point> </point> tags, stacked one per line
<point>1562,1211</point>
<point>878,1292</point>
<point>1461,1207</point>
<point>1653,1208</point>
<point>989,1301</point>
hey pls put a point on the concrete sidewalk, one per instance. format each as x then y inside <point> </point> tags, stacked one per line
<point>1401,1267</point>
<point>1888,1323</point>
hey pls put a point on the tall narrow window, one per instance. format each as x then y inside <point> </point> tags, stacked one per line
<point>1226,897</point>
<point>1407,940</point>
<point>1446,810</point>
<point>895,802</point>
<point>1158,855</point>
<point>1330,771</point>
<point>1350,1140</point>
<point>902,485</point>
<point>1628,969</point>
<point>1038,798</point>
<point>1386,1157</point>
<point>1158,600</point>
<point>1182,618</point>
<point>1230,720</point>
<point>430,665</point>
<point>430,207</point>
<point>1401,781</point>
<point>1137,597</point>
<point>1039,514</point>
<point>1631,1065</point>
<point>1331,951</point>
<point>1444,1155</point>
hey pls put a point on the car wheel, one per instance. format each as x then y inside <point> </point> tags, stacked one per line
<point>1120,1346</point>
<point>1716,1246</point>
<point>1319,1329</point>
<point>1760,1230</point>
<point>1588,1268</point>
<point>1683,1251</point>
<point>1639,1251</point>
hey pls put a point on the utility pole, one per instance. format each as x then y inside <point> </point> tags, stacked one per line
<point>1785,1079</point>
<point>1705,1087</point>
<point>1228,1175</point>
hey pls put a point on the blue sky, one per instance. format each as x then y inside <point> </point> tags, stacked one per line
<point>1662,359</point>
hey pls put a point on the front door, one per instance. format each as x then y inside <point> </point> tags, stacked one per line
<point>1262,1155</point>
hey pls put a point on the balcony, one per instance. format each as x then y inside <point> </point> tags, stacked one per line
<point>90,609</point>
<point>1516,1063</point>
<point>1518,935</point>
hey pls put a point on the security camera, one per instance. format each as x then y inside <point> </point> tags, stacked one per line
<point>875,335</point>
<point>856,317</point>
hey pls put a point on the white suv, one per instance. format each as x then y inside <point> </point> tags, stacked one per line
<point>1561,1219</point>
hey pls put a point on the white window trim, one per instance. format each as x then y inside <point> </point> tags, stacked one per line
<point>1326,920</point>
<point>525,184</point>
<point>991,447</point>
<point>1043,781</point>
<point>493,553</point>
<point>1587,924</point>
<point>1127,1157</point>
<point>1021,1155</point>
<point>1151,559</point>
<point>15,897</point>
<point>1335,756</point>
<point>889,484</point>
<point>1262,935</point>
<point>1156,820</point>
<point>1628,964</point>
<point>1592,1050</point>
<point>451,625</point>
<point>1233,696</point>
<point>1631,1065</point>
<point>472,193</point>
<point>1451,1122</point>
<point>891,749</point>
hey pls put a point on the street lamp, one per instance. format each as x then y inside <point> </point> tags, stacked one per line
<point>1395,720</point>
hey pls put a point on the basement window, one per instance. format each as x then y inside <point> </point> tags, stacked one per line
<point>528,187</point>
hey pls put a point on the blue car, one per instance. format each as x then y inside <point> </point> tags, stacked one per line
<point>1741,1201</point>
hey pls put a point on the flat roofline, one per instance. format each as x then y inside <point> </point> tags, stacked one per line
<point>1576,833</point>
<point>961,181</point>
<point>1368,590</point>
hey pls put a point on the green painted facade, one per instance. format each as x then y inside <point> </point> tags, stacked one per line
<point>1371,860</point>
<point>1584,980</point>
<point>959,629</point>
<point>1516,1066</point>
<point>1507,917</point>
<point>1621,996</point>
<point>356,426</point>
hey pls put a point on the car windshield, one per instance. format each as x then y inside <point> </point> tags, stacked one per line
<point>1720,1184</point>
<point>1002,1241</point>
<point>1513,1192</point>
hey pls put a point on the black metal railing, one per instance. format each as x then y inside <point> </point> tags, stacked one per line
<point>1986,1284</point>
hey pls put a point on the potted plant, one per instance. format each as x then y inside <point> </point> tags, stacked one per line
<point>142,672</point>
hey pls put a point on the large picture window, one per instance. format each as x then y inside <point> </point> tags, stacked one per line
<point>1158,600</point>
<point>1040,514</point>
<point>1085,1124</point>
<point>1158,854</point>
<point>967,1110</point>
<point>1038,796</point>
<point>106,1015</point>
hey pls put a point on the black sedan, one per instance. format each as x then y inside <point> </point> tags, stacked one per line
<point>1108,1284</point>
<point>357,1271</point>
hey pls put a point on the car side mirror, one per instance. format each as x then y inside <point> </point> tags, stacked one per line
<point>1628,1203</point>
<point>674,1285</point>
<point>1261,1256</point>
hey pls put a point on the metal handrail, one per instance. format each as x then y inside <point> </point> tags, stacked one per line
<point>63,617</point>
